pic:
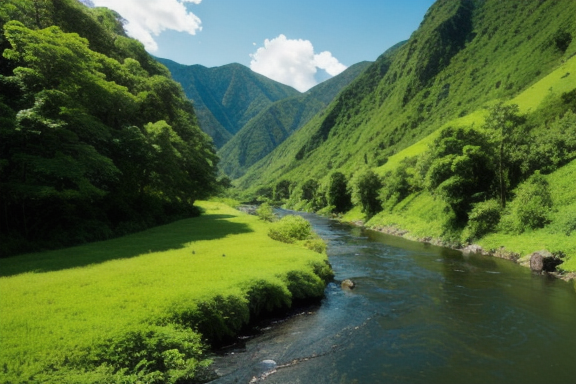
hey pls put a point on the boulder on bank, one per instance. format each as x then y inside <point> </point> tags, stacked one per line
<point>544,261</point>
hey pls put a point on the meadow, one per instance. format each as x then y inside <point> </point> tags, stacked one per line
<point>145,307</point>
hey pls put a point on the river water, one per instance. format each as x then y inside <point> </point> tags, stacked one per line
<point>419,314</point>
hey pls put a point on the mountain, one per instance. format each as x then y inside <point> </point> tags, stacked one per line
<point>274,124</point>
<point>464,54</point>
<point>466,134</point>
<point>227,97</point>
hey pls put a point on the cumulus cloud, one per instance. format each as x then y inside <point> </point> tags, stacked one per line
<point>148,18</point>
<point>293,62</point>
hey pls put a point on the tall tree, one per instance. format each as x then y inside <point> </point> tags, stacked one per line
<point>503,125</point>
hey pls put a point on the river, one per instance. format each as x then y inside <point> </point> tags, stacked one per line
<point>419,314</point>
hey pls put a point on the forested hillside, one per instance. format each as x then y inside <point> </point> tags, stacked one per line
<point>277,122</point>
<point>446,135</point>
<point>96,139</point>
<point>227,97</point>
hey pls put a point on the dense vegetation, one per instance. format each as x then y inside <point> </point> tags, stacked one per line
<point>456,134</point>
<point>226,98</point>
<point>144,308</point>
<point>96,140</point>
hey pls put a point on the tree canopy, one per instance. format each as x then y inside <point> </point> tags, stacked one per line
<point>96,139</point>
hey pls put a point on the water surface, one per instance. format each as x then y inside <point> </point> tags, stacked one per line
<point>419,314</point>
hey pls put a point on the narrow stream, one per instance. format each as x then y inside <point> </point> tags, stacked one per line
<point>419,314</point>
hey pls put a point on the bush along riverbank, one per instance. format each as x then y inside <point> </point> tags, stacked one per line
<point>147,307</point>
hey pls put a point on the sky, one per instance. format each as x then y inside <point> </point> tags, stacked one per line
<point>296,42</point>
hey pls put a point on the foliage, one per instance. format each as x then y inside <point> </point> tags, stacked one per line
<point>290,228</point>
<point>503,125</point>
<point>458,168</point>
<point>554,146</point>
<point>152,354</point>
<point>316,245</point>
<point>482,219</point>
<point>282,190</point>
<point>265,212</point>
<point>364,189</point>
<point>338,194</point>
<point>96,138</point>
<point>530,209</point>
<point>309,189</point>
<point>398,184</point>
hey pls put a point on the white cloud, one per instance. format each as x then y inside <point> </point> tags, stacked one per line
<point>148,18</point>
<point>329,63</point>
<point>293,62</point>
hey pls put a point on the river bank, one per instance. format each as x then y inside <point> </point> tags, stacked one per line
<point>501,252</point>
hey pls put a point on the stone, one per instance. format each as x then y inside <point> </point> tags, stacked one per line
<point>544,261</point>
<point>348,284</point>
<point>536,262</point>
<point>472,248</point>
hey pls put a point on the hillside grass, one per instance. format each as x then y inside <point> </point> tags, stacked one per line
<point>60,311</point>
<point>422,216</point>
<point>553,236</point>
<point>561,80</point>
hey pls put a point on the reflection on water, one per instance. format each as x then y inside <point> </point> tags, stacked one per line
<point>419,314</point>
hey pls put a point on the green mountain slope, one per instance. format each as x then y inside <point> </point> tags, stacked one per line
<point>274,124</point>
<point>467,133</point>
<point>227,97</point>
<point>464,54</point>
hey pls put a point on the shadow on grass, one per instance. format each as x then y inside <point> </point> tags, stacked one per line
<point>163,238</point>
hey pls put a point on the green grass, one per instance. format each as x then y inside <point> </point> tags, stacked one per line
<point>529,100</point>
<point>420,214</point>
<point>56,307</point>
<point>559,234</point>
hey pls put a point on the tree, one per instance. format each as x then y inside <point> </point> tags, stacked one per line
<point>503,126</point>
<point>459,169</point>
<point>309,189</point>
<point>282,190</point>
<point>87,140</point>
<point>338,195</point>
<point>365,190</point>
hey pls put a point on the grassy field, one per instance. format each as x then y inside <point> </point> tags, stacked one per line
<point>134,308</point>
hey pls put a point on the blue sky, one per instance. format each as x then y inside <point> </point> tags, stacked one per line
<point>299,42</point>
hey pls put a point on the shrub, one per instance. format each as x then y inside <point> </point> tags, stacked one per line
<point>153,354</point>
<point>483,219</point>
<point>265,212</point>
<point>564,221</point>
<point>316,245</point>
<point>290,228</point>
<point>530,209</point>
